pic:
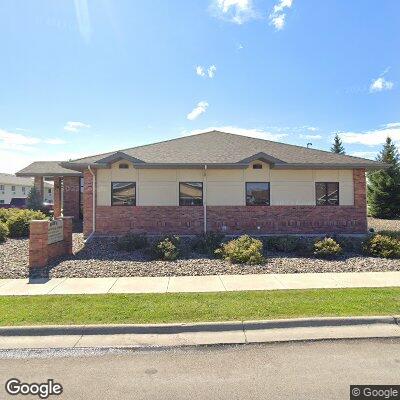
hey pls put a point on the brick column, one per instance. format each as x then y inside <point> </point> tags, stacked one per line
<point>360,197</point>
<point>39,185</point>
<point>71,196</point>
<point>38,235</point>
<point>57,197</point>
<point>87,203</point>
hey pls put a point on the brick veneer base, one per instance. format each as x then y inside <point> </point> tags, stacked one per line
<point>114,220</point>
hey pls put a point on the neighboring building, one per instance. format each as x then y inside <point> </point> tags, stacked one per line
<point>14,190</point>
<point>213,181</point>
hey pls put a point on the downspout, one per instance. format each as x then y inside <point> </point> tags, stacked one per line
<point>93,204</point>
<point>205,199</point>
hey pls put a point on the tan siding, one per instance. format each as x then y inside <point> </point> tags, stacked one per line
<point>224,187</point>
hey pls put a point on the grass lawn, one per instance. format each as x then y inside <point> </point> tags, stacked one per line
<point>191,307</point>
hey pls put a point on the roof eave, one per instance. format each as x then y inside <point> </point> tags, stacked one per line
<point>368,166</point>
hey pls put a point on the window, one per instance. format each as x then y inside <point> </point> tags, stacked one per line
<point>123,166</point>
<point>257,166</point>
<point>13,188</point>
<point>123,193</point>
<point>327,193</point>
<point>1,201</point>
<point>190,193</point>
<point>257,193</point>
<point>23,189</point>
<point>49,191</point>
<point>1,187</point>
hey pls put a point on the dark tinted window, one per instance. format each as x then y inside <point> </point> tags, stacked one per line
<point>190,193</point>
<point>257,193</point>
<point>257,166</point>
<point>327,193</point>
<point>123,166</point>
<point>123,193</point>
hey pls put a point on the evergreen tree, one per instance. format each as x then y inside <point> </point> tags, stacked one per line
<point>34,200</point>
<point>337,146</point>
<point>384,185</point>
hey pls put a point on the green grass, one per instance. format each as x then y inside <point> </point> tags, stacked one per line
<point>190,307</point>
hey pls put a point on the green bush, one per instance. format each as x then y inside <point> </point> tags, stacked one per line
<point>132,241</point>
<point>208,242</point>
<point>5,213</point>
<point>349,244</point>
<point>382,246</point>
<point>392,234</point>
<point>327,248</point>
<point>166,248</point>
<point>283,244</point>
<point>18,221</point>
<point>244,249</point>
<point>3,232</point>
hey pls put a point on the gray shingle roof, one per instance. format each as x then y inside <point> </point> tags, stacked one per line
<point>41,168</point>
<point>219,147</point>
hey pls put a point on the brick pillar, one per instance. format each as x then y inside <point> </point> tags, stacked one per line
<point>57,197</point>
<point>71,196</point>
<point>38,235</point>
<point>360,197</point>
<point>39,185</point>
<point>87,203</point>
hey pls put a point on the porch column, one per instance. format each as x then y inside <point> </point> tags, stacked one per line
<point>57,197</point>
<point>39,185</point>
<point>71,187</point>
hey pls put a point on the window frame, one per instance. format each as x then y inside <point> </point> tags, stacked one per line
<point>257,166</point>
<point>123,205</point>
<point>123,166</point>
<point>326,194</point>
<point>191,205</point>
<point>258,205</point>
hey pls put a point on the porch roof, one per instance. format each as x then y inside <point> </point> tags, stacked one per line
<point>47,168</point>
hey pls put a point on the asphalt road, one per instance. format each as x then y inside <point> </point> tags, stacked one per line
<point>316,370</point>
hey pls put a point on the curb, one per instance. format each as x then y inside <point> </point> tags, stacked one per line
<point>226,326</point>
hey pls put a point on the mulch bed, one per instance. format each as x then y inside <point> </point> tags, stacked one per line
<point>99,258</point>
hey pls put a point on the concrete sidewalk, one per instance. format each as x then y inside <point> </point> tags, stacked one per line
<point>195,334</point>
<point>210,283</point>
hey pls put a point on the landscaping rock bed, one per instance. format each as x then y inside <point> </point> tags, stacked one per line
<point>100,258</point>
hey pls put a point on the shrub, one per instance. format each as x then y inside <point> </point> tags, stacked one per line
<point>208,242</point>
<point>18,222</point>
<point>5,213</point>
<point>3,232</point>
<point>284,244</point>
<point>166,248</point>
<point>131,242</point>
<point>327,248</point>
<point>392,234</point>
<point>349,244</point>
<point>382,246</point>
<point>245,249</point>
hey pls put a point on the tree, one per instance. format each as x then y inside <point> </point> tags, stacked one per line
<point>337,146</point>
<point>384,185</point>
<point>34,200</point>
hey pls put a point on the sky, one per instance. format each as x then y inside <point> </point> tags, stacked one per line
<point>81,77</point>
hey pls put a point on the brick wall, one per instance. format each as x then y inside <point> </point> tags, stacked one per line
<point>87,203</point>
<point>231,219</point>
<point>71,196</point>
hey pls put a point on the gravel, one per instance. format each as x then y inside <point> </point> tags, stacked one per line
<point>384,224</point>
<point>99,258</point>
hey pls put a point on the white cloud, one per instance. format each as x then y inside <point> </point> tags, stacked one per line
<point>373,137</point>
<point>277,17</point>
<point>198,110</point>
<point>392,125</point>
<point>55,141</point>
<point>315,137</point>
<point>83,19</point>
<point>380,84</point>
<point>240,46</point>
<point>206,72</point>
<point>236,11</point>
<point>253,132</point>
<point>211,71</point>
<point>75,126</point>
<point>17,141</point>
<point>311,128</point>
<point>365,154</point>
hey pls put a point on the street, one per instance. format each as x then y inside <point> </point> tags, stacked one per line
<point>302,370</point>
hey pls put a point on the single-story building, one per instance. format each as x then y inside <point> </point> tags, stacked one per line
<point>212,181</point>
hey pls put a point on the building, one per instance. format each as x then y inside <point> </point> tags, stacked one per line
<point>14,190</point>
<point>213,181</point>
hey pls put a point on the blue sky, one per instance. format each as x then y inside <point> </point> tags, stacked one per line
<point>88,76</point>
